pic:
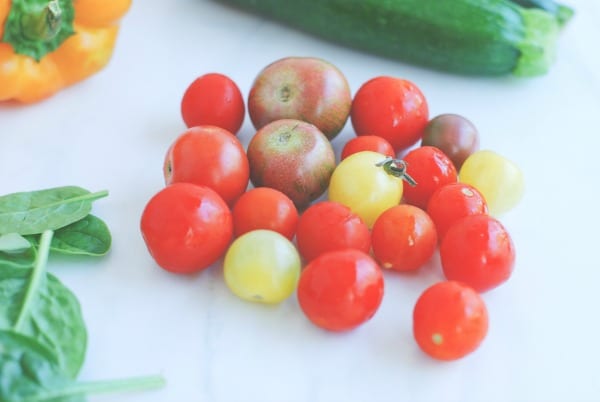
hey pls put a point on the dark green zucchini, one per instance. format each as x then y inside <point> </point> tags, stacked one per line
<point>476,37</point>
<point>563,13</point>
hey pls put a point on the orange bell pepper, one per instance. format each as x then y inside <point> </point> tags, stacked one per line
<point>46,45</point>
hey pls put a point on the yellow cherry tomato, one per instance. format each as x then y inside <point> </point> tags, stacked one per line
<point>364,186</point>
<point>498,179</point>
<point>262,266</point>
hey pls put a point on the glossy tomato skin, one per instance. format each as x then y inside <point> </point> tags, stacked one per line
<point>364,187</point>
<point>478,251</point>
<point>431,169</point>
<point>454,201</point>
<point>392,108</point>
<point>340,290</point>
<point>450,320</point>
<point>328,226</point>
<point>265,208</point>
<point>373,143</point>
<point>213,99</point>
<point>291,156</point>
<point>404,238</point>
<point>186,227</point>
<point>210,156</point>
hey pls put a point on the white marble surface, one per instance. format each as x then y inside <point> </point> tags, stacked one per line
<point>111,132</point>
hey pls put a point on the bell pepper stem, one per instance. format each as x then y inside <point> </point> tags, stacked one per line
<point>43,23</point>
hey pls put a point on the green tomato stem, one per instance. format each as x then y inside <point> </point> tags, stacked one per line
<point>397,168</point>
<point>44,23</point>
<point>38,274</point>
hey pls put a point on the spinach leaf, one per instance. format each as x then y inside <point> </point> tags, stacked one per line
<point>30,373</point>
<point>35,303</point>
<point>50,209</point>
<point>24,259</point>
<point>13,243</point>
<point>88,236</point>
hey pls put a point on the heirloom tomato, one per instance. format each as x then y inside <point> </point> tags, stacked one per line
<point>456,136</point>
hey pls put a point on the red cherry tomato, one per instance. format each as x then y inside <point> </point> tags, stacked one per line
<point>186,227</point>
<point>392,108</point>
<point>265,208</point>
<point>478,251</point>
<point>431,169</point>
<point>209,156</point>
<point>213,99</point>
<point>373,143</point>
<point>450,320</point>
<point>454,201</point>
<point>327,226</point>
<point>404,238</point>
<point>340,290</point>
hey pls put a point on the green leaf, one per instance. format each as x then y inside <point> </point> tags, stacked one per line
<point>50,209</point>
<point>88,236</point>
<point>13,243</point>
<point>24,259</point>
<point>35,303</point>
<point>30,373</point>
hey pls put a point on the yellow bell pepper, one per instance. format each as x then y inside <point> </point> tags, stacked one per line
<point>46,45</point>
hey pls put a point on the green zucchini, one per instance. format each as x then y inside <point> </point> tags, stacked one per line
<point>473,37</point>
<point>563,13</point>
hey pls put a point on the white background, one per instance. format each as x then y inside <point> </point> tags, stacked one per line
<point>111,132</point>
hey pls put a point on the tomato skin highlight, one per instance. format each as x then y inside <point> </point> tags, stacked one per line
<point>340,290</point>
<point>454,201</point>
<point>328,226</point>
<point>392,108</point>
<point>210,156</point>
<point>450,320</point>
<point>431,169</point>
<point>478,251</point>
<point>404,238</point>
<point>213,99</point>
<point>186,227</point>
<point>265,208</point>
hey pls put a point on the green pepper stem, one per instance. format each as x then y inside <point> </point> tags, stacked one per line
<point>43,23</point>
<point>397,168</point>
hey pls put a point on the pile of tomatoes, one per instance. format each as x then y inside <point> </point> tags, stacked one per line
<point>286,217</point>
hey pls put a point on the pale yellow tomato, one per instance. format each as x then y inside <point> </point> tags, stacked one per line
<point>262,266</point>
<point>498,179</point>
<point>363,186</point>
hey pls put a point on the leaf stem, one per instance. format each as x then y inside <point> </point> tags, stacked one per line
<point>107,386</point>
<point>37,275</point>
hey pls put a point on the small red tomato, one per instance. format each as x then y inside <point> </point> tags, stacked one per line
<point>340,290</point>
<point>404,238</point>
<point>450,320</point>
<point>478,251</point>
<point>209,156</point>
<point>265,208</point>
<point>454,201</point>
<point>373,143</point>
<point>327,226</point>
<point>186,227</point>
<point>392,108</point>
<point>431,169</point>
<point>213,99</point>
